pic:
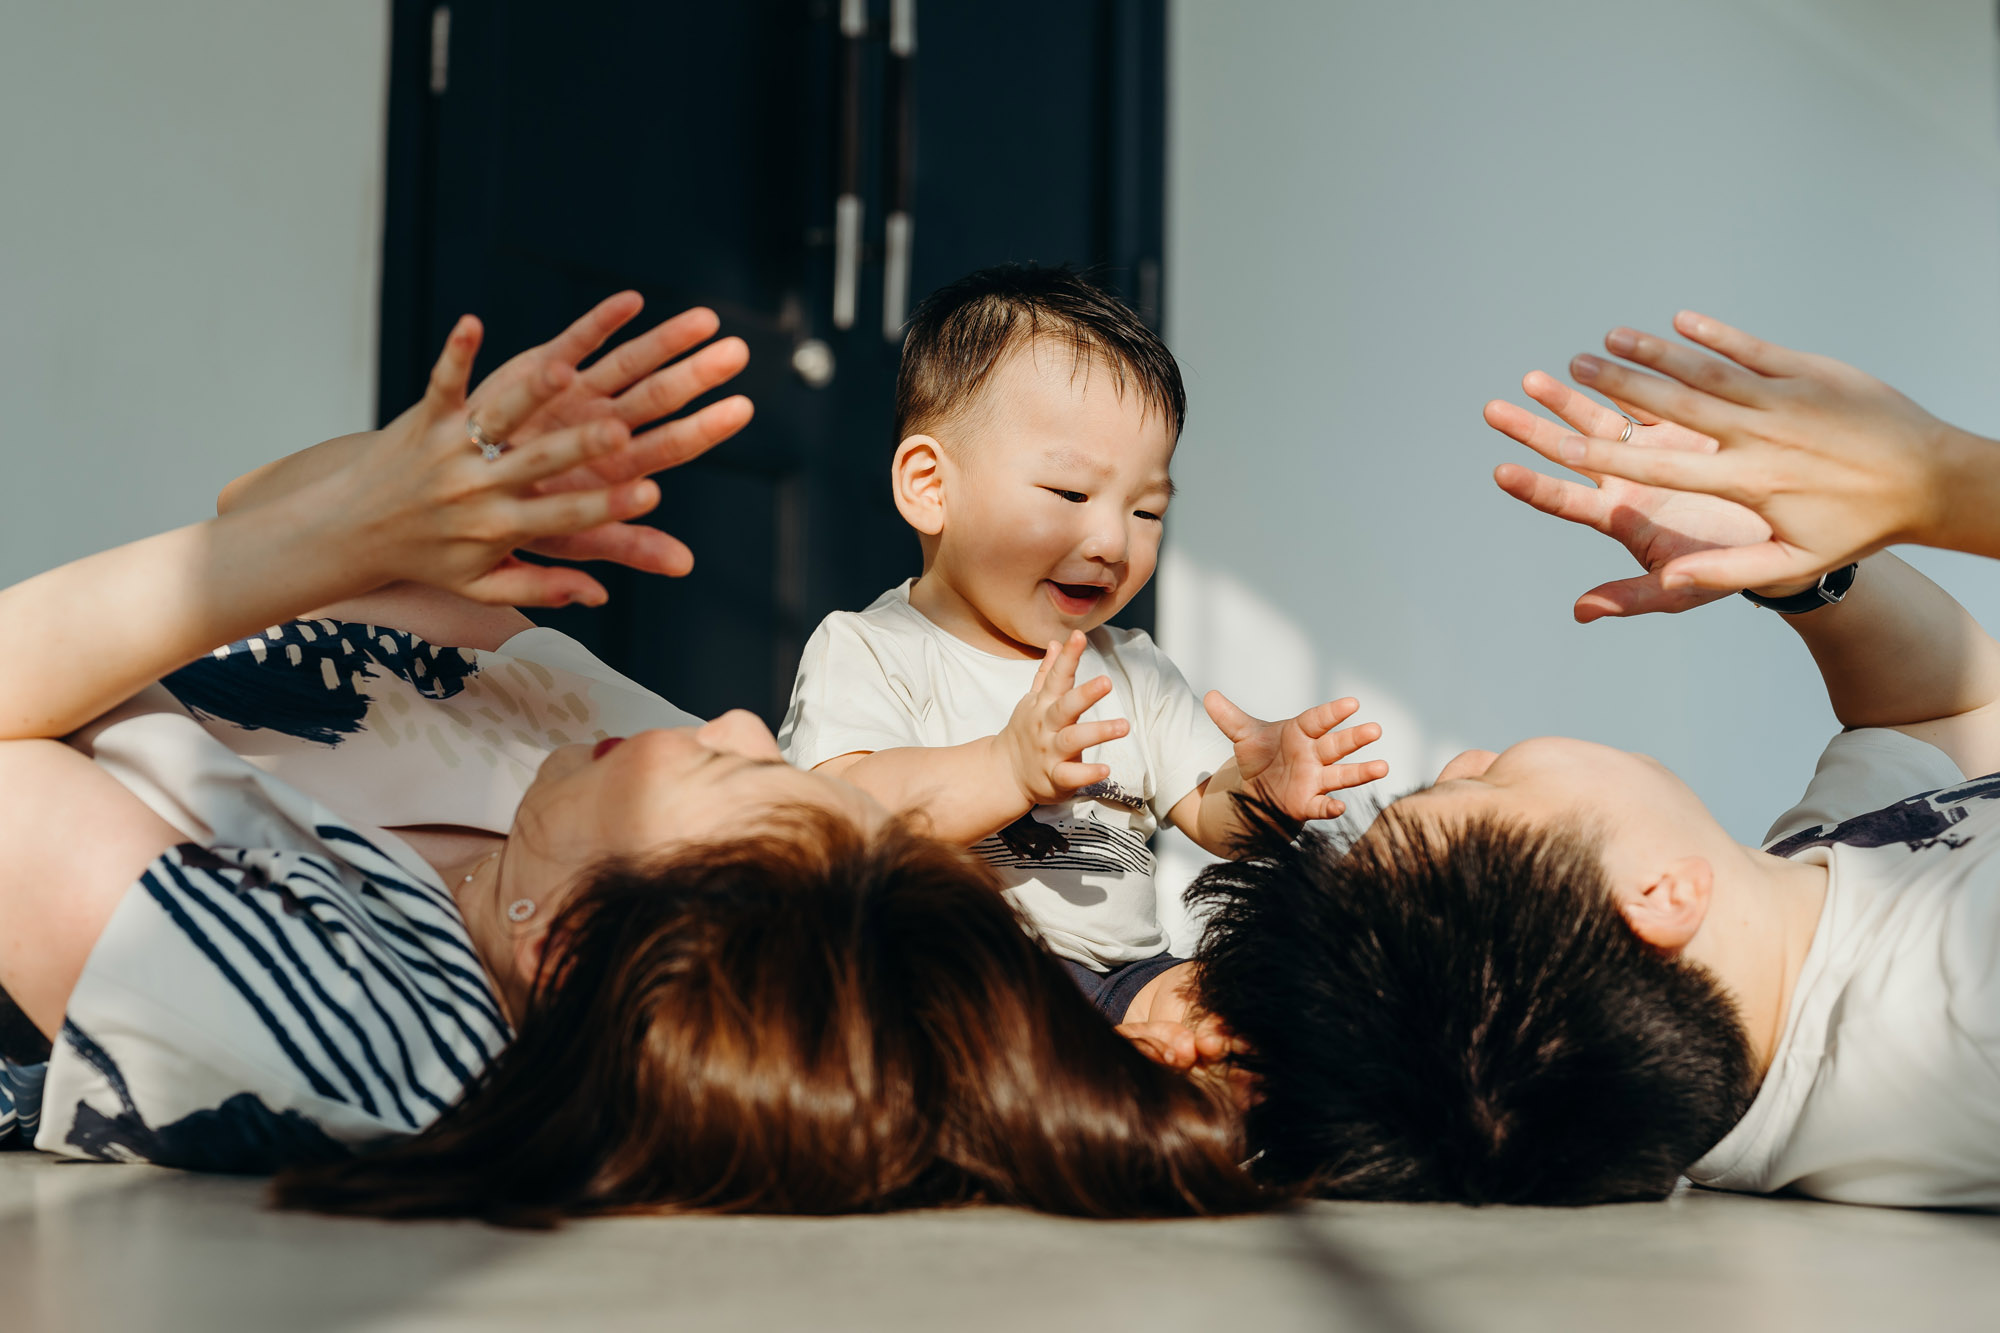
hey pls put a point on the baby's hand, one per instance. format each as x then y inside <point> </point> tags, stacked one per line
<point>1179,1034</point>
<point>1292,765</point>
<point>1043,742</point>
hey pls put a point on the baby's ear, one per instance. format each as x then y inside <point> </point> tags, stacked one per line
<point>917,477</point>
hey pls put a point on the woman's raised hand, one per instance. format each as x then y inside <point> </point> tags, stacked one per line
<point>636,384</point>
<point>1657,525</point>
<point>1838,464</point>
<point>421,502</point>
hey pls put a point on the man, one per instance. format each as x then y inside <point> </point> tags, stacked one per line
<point>1552,977</point>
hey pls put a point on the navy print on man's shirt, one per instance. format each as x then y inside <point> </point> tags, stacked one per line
<point>1920,822</point>
<point>305,678</point>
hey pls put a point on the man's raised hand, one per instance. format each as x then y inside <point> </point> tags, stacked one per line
<point>1045,738</point>
<point>1835,461</point>
<point>1657,525</point>
<point>1292,765</point>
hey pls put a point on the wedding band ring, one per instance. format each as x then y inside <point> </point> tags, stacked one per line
<point>1625,436</point>
<point>489,448</point>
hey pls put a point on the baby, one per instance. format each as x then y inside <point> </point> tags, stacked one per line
<point>1037,417</point>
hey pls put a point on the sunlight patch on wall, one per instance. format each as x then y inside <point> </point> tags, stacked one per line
<point>1225,635</point>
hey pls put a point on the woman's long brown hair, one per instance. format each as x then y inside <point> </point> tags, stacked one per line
<point>810,1021</point>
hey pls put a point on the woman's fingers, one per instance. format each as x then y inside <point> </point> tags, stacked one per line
<point>674,387</point>
<point>453,370</point>
<point>555,453</point>
<point>633,545</point>
<point>1663,397</point>
<point>684,438</point>
<point>519,397</point>
<point>628,363</point>
<point>1567,500</point>
<point>1078,737</point>
<point>1760,356</point>
<point>587,334</point>
<point>1591,418</point>
<point>515,582</point>
<point>1696,369</point>
<point>579,511</point>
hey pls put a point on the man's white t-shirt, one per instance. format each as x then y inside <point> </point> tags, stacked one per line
<point>1080,870</point>
<point>1885,1087</point>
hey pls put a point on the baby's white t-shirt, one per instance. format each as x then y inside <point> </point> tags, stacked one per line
<point>1080,870</point>
<point>1885,1087</point>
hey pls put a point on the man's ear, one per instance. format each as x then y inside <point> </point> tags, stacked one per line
<point>917,477</point>
<point>1669,911</point>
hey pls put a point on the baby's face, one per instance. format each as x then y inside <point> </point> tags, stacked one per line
<point>1055,492</point>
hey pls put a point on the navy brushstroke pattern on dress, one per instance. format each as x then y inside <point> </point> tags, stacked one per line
<point>20,1103</point>
<point>242,1136</point>
<point>306,678</point>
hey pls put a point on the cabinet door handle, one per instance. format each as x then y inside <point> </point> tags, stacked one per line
<point>899,226</point>
<point>847,204</point>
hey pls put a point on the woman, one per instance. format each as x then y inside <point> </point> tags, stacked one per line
<point>671,972</point>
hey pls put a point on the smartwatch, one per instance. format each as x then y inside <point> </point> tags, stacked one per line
<point>1832,586</point>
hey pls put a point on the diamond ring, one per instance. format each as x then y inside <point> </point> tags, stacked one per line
<point>489,448</point>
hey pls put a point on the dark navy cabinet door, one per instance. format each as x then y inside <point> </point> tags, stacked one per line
<point>543,155</point>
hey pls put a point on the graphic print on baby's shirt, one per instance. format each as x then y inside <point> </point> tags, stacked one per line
<point>1081,870</point>
<point>1077,836</point>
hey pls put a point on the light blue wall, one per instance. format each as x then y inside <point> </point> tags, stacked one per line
<point>190,222</point>
<point>1382,215</point>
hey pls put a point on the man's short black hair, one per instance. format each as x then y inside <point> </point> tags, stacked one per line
<point>1463,1014</point>
<point>961,332</point>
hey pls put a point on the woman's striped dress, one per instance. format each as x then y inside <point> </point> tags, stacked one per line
<point>292,983</point>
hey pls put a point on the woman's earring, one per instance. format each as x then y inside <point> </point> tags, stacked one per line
<point>520,910</point>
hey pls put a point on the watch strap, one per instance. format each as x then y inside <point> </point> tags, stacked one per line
<point>1832,586</point>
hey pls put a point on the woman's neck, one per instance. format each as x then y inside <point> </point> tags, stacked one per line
<point>475,883</point>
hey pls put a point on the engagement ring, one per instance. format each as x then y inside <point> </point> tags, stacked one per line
<point>489,448</point>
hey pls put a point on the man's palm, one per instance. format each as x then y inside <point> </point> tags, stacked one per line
<point>1653,523</point>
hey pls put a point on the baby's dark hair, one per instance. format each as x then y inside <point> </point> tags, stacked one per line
<point>961,332</point>
<point>1463,1015</point>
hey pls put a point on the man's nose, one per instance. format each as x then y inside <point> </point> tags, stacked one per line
<point>739,732</point>
<point>1468,765</point>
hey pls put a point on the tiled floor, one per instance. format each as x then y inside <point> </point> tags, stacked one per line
<point>132,1249</point>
